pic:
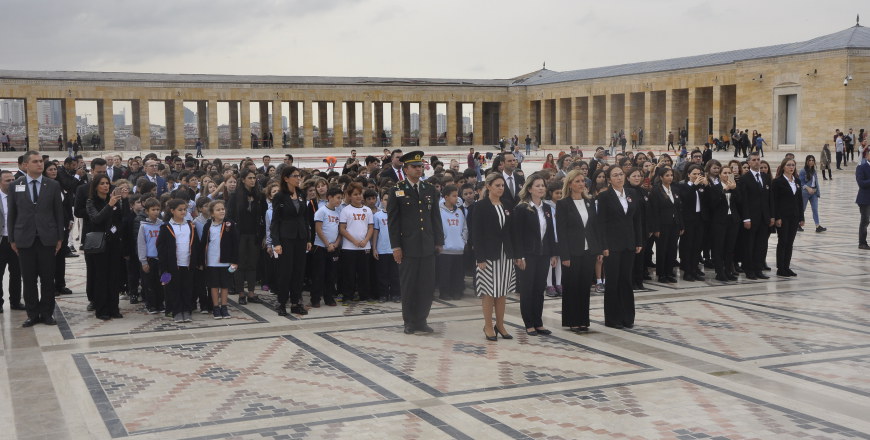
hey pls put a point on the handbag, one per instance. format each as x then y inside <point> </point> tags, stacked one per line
<point>94,243</point>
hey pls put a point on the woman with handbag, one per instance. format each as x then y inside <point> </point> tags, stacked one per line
<point>105,214</point>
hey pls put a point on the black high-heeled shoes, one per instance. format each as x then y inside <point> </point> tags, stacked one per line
<point>488,337</point>
<point>503,335</point>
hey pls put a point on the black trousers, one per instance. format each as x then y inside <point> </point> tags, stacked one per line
<point>291,270</point>
<point>862,225</point>
<point>785,242</point>
<point>723,242</point>
<point>10,259</point>
<point>618,294</point>
<point>60,263</point>
<point>107,286</point>
<point>179,291</point>
<point>152,290</point>
<point>249,253</point>
<point>355,267</point>
<point>576,280</point>
<point>666,250</point>
<point>755,247</point>
<point>690,245</point>
<point>532,282</point>
<point>91,274</point>
<point>323,273</point>
<point>201,292</point>
<point>840,159</point>
<point>133,276</point>
<point>451,276</point>
<point>37,261</point>
<point>388,277</point>
<point>417,279</point>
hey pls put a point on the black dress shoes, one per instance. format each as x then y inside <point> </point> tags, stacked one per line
<point>532,332</point>
<point>425,328</point>
<point>49,320</point>
<point>90,307</point>
<point>243,300</point>
<point>689,277</point>
<point>864,246</point>
<point>281,309</point>
<point>543,331</point>
<point>671,279</point>
<point>791,273</point>
<point>410,330</point>
<point>117,315</point>
<point>751,276</point>
<point>611,325</point>
<point>731,276</point>
<point>761,276</point>
<point>64,291</point>
<point>16,306</point>
<point>29,322</point>
<point>781,273</point>
<point>107,317</point>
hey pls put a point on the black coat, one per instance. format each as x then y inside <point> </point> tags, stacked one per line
<point>573,234</point>
<point>166,248</point>
<point>689,198</point>
<point>716,204</point>
<point>288,222</point>
<point>526,230</point>
<point>620,229</point>
<point>229,242</point>
<point>489,238</point>
<point>662,212</point>
<point>787,204</point>
<point>756,205</point>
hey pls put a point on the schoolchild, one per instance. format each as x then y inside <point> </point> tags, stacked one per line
<point>220,253</point>
<point>146,244</point>
<point>451,276</point>
<point>325,252</point>
<point>355,226</point>
<point>176,249</point>
<point>387,269</point>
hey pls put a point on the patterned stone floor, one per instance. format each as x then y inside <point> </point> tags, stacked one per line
<point>767,359</point>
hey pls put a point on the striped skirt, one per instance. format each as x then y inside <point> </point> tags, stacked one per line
<point>498,279</point>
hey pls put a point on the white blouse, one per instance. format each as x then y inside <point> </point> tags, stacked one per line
<point>584,215</point>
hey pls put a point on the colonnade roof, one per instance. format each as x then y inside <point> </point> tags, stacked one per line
<point>855,37</point>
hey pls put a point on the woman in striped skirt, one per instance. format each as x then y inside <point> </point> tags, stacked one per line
<point>493,250</point>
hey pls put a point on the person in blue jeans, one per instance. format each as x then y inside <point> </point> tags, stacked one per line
<point>810,189</point>
<point>528,145</point>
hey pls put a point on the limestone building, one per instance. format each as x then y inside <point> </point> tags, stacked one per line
<point>795,94</point>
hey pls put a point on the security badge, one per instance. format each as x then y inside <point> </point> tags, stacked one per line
<point>400,193</point>
<point>20,188</point>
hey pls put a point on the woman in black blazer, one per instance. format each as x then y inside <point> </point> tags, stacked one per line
<point>576,226</point>
<point>691,188</point>
<point>619,217</point>
<point>665,222</point>
<point>721,202</point>
<point>493,251</point>
<point>105,214</point>
<point>291,239</point>
<point>634,180</point>
<point>788,212</point>
<point>534,238</point>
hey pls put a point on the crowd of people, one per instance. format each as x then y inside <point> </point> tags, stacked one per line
<point>179,234</point>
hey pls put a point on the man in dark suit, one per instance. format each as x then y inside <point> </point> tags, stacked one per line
<point>395,171</point>
<point>416,235</point>
<point>265,168</point>
<point>513,181</point>
<point>7,255</point>
<point>35,226</point>
<point>151,174</point>
<point>112,171</point>
<point>862,177</point>
<point>98,166</point>
<point>757,214</point>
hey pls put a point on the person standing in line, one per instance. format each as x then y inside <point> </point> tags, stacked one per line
<point>246,209</point>
<point>665,222</point>
<point>720,202</point>
<point>220,253</point>
<point>356,227</point>
<point>810,191</point>
<point>291,238</point>
<point>535,253</point>
<point>7,255</point>
<point>106,209</point>
<point>576,226</point>
<point>756,212</point>
<point>671,141</point>
<point>691,189</point>
<point>177,245</point>
<point>621,237</point>
<point>862,176</point>
<point>413,206</point>
<point>451,276</point>
<point>35,228</point>
<point>787,201</point>
<point>839,147</point>
<point>199,148</point>
<point>325,251</point>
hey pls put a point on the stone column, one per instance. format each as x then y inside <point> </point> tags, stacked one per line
<point>504,121</point>
<point>277,123</point>
<point>322,122</point>
<point>212,137</point>
<point>575,134</point>
<point>558,116</point>
<point>178,133</point>
<point>235,139</point>
<point>590,122</point>
<point>350,127</point>
<point>647,120</point>
<point>608,117</point>
<point>245,135</point>
<point>626,118</point>
<point>424,123</point>
<point>717,111</point>
<point>31,114</point>
<point>202,122</point>
<point>337,125</point>
<point>293,122</point>
<point>69,119</point>
<point>307,124</point>
<point>451,123</point>
<point>669,115</point>
<point>477,127</point>
<point>264,122</point>
<point>396,121</point>
<point>142,123</point>
<point>694,128</point>
<point>367,124</point>
<point>107,123</point>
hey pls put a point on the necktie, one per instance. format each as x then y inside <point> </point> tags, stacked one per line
<point>401,177</point>
<point>35,193</point>
<point>758,178</point>
<point>511,185</point>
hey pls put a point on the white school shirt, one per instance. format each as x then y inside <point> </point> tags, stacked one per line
<point>357,221</point>
<point>182,239</point>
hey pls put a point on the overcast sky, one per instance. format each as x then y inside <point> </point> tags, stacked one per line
<point>446,38</point>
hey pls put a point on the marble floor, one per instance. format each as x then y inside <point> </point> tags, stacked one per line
<point>769,359</point>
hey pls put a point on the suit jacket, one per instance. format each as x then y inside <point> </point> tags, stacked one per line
<point>117,173</point>
<point>573,233</point>
<point>787,204</point>
<point>662,212</point>
<point>756,206</point>
<point>488,238</point>
<point>288,222</point>
<point>510,200</point>
<point>526,230</point>
<point>28,220</point>
<point>862,177</point>
<point>716,204</point>
<point>229,242</point>
<point>414,219</point>
<point>167,244</point>
<point>620,229</point>
<point>161,185</point>
<point>690,195</point>
<point>391,173</point>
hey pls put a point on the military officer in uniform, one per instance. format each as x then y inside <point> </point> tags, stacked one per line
<point>416,236</point>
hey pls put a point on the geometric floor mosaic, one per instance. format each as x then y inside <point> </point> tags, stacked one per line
<point>839,304</point>
<point>850,373</point>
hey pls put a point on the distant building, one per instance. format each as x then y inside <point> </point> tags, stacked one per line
<point>415,121</point>
<point>12,111</point>
<point>120,120</point>
<point>189,116</point>
<point>441,123</point>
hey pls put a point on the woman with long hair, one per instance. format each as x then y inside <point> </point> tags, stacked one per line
<point>619,212</point>
<point>534,239</point>
<point>549,163</point>
<point>634,180</point>
<point>787,201</point>
<point>598,185</point>
<point>722,204</point>
<point>291,239</point>
<point>577,228</point>
<point>810,191</point>
<point>493,251</point>
<point>691,188</point>
<point>766,169</point>
<point>106,208</point>
<point>665,223</point>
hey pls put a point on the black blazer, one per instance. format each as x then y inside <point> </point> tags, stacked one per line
<point>489,238</point>
<point>716,204</point>
<point>229,242</point>
<point>662,212</point>
<point>573,234</point>
<point>166,247</point>
<point>526,230</point>
<point>507,199</point>
<point>689,197</point>
<point>786,204</point>
<point>102,217</point>
<point>620,229</point>
<point>288,222</point>
<point>756,206</point>
<point>391,173</point>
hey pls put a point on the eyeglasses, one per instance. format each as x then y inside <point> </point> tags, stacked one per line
<point>295,176</point>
